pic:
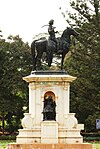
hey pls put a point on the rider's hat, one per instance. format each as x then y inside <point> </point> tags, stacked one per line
<point>51,22</point>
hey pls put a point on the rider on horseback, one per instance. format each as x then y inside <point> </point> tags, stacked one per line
<point>52,32</point>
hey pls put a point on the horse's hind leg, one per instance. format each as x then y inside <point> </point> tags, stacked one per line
<point>38,60</point>
<point>33,55</point>
<point>33,62</point>
<point>49,55</point>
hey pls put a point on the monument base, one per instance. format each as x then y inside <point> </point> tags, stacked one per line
<point>40,133</point>
<point>50,146</point>
<point>29,136</point>
<point>50,132</point>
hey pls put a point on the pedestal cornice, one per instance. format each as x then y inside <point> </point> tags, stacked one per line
<point>41,76</point>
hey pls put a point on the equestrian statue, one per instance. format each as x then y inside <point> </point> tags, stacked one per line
<point>53,45</point>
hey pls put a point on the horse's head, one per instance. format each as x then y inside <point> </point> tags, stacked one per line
<point>71,31</point>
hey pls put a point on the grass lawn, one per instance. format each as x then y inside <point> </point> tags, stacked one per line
<point>4,143</point>
<point>96,145</point>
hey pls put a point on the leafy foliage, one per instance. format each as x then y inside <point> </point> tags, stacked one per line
<point>85,62</point>
<point>14,64</point>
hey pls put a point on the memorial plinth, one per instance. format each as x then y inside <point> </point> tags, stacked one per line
<point>65,128</point>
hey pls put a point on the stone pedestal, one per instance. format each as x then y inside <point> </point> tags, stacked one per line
<point>49,132</point>
<point>65,130</point>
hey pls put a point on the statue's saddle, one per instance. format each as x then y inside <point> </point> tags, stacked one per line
<point>40,40</point>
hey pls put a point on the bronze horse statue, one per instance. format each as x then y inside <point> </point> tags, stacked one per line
<point>50,47</point>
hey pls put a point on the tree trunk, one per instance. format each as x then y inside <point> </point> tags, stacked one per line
<point>3,122</point>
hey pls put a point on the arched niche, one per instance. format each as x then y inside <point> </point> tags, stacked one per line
<point>49,107</point>
<point>49,93</point>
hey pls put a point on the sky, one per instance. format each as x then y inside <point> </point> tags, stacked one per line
<point>26,17</point>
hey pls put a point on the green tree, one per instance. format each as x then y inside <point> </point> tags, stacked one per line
<point>15,62</point>
<point>85,62</point>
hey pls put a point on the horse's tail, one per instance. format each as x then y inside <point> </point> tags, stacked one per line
<point>33,55</point>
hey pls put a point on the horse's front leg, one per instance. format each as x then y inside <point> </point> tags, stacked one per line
<point>62,60</point>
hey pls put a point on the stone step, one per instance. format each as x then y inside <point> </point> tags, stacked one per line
<point>49,146</point>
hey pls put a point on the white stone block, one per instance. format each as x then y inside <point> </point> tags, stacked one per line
<point>27,121</point>
<point>80,126</point>
<point>49,132</point>
<point>71,121</point>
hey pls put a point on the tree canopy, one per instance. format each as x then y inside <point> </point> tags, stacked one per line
<point>85,62</point>
<point>15,62</point>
